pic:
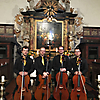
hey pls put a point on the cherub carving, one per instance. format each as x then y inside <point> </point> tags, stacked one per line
<point>65,4</point>
<point>34,4</point>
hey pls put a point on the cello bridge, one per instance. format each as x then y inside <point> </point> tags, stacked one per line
<point>23,90</point>
<point>78,90</point>
<point>60,87</point>
<point>44,87</point>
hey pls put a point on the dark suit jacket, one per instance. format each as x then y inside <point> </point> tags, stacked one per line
<point>18,66</point>
<point>40,68</point>
<point>74,67</point>
<point>57,65</point>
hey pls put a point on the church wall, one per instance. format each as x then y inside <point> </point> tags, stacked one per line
<point>88,8</point>
<point>9,9</point>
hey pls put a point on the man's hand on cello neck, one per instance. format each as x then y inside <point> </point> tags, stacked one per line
<point>23,73</point>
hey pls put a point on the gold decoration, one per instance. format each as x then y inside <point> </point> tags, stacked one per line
<point>71,10</point>
<point>19,19</point>
<point>78,21</point>
<point>38,5</point>
<point>49,18</point>
<point>70,40</point>
<point>61,7</point>
<point>30,53</point>
<point>51,8</point>
<point>17,33</point>
<point>69,48</point>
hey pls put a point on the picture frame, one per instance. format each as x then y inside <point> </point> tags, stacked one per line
<point>48,34</point>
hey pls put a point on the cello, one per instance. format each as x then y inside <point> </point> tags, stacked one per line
<point>22,93</point>
<point>43,91</point>
<point>60,91</point>
<point>79,91</point>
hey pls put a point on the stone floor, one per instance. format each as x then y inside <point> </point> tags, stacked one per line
<point>11,87</point>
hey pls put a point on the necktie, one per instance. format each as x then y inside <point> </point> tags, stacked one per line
<point>42,60</point>
<point>24,61</point>
<point>77,61</point>
<point>61,59</point>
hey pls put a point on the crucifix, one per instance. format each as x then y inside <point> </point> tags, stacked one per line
<point>49,44</point>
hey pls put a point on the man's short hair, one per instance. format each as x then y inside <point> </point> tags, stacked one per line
<point>41,48</point>
<point>77,48</point>
<point>61,46</point>
<point>25,47</point>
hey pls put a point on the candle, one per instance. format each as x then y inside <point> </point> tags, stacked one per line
<point>56,49</point>
<point>37,52</point>
<point>2,78</point>
<point>1,64</point>
<point>1,87</point>
<point>98,77</point>
<point>5,63</point>
<point>31,82</point>
<point>1,98</point>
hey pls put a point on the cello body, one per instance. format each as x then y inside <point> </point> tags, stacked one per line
<point>43,91</point>
<point>26,93</point>
<point>78,92</point>
<point>61,92</point>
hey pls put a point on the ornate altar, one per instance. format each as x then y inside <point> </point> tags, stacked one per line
<point>47,22</point>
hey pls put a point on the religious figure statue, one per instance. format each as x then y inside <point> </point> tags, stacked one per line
<point>65,4</point>
<point>22,30</point>
<point>34,4</point>
<point>31,4</point>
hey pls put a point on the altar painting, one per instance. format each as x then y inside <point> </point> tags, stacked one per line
<point>49,33</point>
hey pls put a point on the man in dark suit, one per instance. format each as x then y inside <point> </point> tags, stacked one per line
<point>23,67</point>
<point>61,62</point>
<point>78,66</point>
<point>23,62</point>
<point>78,60</point>
<point>41,65</point>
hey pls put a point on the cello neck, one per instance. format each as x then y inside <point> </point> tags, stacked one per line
<point>22,85</point>
<point>78,80</point>
<point>45,81</point>
<point>61,76</point>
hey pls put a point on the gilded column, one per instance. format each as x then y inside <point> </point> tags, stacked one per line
<point>32,34</point>
<point>65,39</point>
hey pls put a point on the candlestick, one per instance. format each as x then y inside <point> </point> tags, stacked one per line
<point>1,98</point>
<point>99,86</point>
<point>1,64</point>
<point>1,87</point>
<point>98,77</point>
